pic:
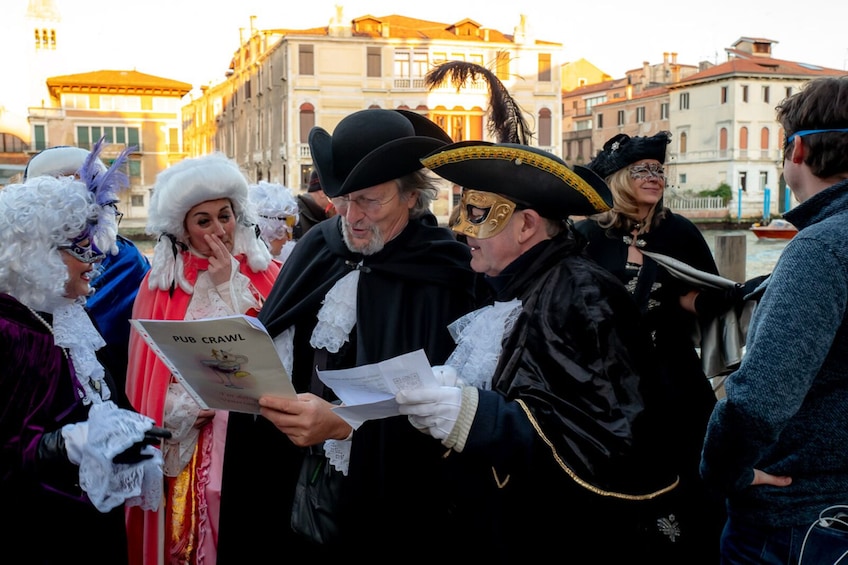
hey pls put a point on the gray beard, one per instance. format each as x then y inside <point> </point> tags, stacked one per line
<point>374,246</point>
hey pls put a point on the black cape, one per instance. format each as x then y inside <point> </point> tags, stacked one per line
<point>408,293</point>
<point>687,389</point>
<point>568,453</point>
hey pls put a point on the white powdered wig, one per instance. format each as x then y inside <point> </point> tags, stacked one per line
<point>104,182</point>
<point>177,190</point>
<point>273,201</point>
<point>35,218</point>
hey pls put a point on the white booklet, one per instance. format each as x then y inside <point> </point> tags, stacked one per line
<point>224,363</point>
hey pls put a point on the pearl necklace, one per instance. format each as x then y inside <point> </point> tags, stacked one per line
<point>46,325</point>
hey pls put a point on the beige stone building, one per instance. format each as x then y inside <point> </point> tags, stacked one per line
<point>284,82</point>
<point>596,108</point>
<point>131,109</point>
<point>722,120</point>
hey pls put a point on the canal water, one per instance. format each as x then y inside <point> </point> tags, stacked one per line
<point>761,254</point>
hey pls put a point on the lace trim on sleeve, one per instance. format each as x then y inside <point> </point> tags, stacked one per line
<point>111,430</point>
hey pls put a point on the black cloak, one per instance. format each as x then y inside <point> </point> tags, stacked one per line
<point>408,294</point>
<point>567,454</point>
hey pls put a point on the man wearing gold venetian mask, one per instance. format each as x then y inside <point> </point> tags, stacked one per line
<point>554,404</point>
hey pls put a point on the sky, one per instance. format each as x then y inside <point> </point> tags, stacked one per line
<point>614,35</point>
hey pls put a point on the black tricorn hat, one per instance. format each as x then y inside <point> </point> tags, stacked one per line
<point>622,150</point>
<point>529,176</point>
<point>370,147</point>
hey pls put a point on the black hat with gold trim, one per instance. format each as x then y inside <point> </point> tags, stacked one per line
<point>373,146</point>
<point>528,176</point>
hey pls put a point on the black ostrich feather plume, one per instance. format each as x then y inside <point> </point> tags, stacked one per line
<point>506,122</point>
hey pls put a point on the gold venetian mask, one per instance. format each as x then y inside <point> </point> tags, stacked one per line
<point>482,214</point>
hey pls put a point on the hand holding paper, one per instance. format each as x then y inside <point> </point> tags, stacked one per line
<point>368,392</point>
<point>431,410</point>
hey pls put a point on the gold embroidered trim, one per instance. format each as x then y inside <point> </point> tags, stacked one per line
<point>580,481</point>
<point>500,483</point>
<point>520,157</point>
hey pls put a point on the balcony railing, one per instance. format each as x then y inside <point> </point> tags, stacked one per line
<point>409,83</point>
<point>697,203</point>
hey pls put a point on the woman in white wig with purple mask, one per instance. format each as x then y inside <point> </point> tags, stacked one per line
<point>208,262</point>
<point>71,458</point>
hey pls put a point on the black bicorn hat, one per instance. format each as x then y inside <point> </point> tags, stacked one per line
<point>529,176</point>
<point>622,150</point>
<point>372,146</point>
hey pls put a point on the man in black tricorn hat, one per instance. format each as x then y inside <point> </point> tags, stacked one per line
<point>556,447</point>
<point>378,280</point>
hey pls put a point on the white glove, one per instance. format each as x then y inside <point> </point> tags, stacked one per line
<point>447,376</point>
<point>431,410</point>
<point>75,436</point>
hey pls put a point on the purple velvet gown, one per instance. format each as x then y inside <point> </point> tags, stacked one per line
<point>48,518</point>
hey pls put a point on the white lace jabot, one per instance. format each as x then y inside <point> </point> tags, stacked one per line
<point>479,340</point>
<point>336,319</point>
<point>337,315</point>
<point>73,330</point>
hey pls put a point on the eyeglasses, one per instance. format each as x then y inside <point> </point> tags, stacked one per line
<point>88,253</point>
<point>289,220</point>
<point>642,172</point>
<point>367,205</point>
<point>118,214</point>
<point>802,133</point>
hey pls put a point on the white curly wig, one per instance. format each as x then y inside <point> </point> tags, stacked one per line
<point>104,182</point>
<point>36,217</point>
<point>272,201</point>
<point>177,190</point>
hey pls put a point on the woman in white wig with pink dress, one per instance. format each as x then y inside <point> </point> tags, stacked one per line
<point>208,262</point>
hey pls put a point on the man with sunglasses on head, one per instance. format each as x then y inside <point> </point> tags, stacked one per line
<point>377,280</point>
<point>776,444</point>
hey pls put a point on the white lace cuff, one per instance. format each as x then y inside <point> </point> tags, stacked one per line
<point>338,453</point>
<point>111,430</point>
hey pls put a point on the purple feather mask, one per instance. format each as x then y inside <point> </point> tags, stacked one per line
<point>104,184</point>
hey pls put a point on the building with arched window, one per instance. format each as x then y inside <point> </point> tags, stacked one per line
<point>283,82</point>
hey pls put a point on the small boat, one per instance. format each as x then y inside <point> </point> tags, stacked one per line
<point>776,229</point>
